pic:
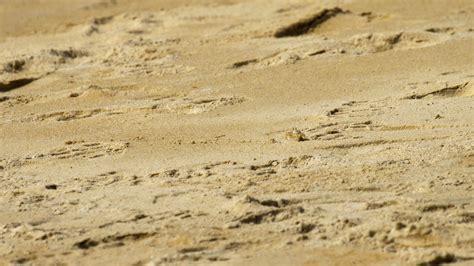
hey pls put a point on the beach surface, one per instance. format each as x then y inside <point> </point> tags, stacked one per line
<point>236,132</point>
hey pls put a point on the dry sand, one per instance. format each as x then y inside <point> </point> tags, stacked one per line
<point>236,132</point>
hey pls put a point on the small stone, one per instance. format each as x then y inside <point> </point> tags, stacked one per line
<point>231,225</point>
<point>302,238</point>
<point>51,186</point>
<point>73,202</point>
<point>390,248</point>
<point>371,233</point>
<point>86,244</point>
<point>192,249</point>
<point>399,226</point>
<point>304,228</point>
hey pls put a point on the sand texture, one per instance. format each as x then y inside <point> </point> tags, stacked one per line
<point>236,132</point>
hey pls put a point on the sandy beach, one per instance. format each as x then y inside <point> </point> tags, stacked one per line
<point>236,132</point>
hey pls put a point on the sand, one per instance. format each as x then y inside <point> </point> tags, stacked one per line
<point>236,132</point>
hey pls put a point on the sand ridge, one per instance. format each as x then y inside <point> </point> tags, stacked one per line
<point>236,132</point>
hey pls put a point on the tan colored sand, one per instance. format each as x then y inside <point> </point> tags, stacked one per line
<point>190,132</point>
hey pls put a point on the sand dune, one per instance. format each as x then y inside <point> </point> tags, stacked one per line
<point>236,132</point>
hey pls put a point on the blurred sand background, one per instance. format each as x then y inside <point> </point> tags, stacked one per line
<point>236,132</point>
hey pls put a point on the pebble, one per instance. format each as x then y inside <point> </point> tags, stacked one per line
<point>51,186</point>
